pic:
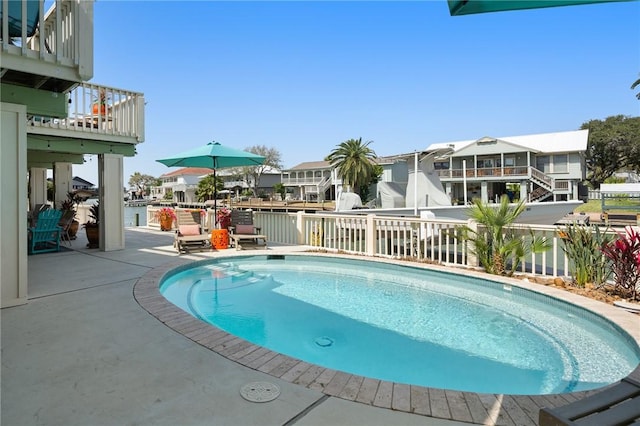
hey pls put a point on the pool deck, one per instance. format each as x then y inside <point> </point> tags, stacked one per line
<point>98,345</point>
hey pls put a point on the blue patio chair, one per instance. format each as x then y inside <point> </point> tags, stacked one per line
<point>45,236</point>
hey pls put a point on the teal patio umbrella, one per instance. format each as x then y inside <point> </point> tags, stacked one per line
<point>214,156</point>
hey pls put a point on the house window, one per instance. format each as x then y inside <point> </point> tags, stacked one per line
<point>441,165</point>
<point>560,163</point>
<point>486,163</point>
<point>510,161</point>
<point>542,163</point>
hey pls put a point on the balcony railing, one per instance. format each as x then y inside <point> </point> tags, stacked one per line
<point>294,181</point>
<point>483,172</point>
<point>57,44</point>
<point>120,114</point>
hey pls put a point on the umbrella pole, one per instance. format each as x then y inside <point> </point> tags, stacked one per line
<point>215,200</point>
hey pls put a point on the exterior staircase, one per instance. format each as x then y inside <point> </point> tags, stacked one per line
<point>544,185</point>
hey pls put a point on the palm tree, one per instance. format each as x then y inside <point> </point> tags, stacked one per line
<point>634,85</point>
<point>354,161</point>
<point>495,242</point>
<point>208,186</point>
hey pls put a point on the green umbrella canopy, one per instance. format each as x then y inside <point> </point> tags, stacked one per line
<point>213,156</point>
<point>466,7</point>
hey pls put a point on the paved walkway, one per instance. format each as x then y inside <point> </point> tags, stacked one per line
<point>84,352</point>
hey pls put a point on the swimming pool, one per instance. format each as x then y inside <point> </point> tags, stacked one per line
<point>406,325</point>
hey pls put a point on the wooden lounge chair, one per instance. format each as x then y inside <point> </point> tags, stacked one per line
<point>65,223</point>
<point>190,234</point>
<point>243,233</point>
<point>617,405</point>
<point>45,236</point>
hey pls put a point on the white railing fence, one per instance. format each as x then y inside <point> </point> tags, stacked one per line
<point>430,240</point>
<point>423,240</point>
<point>121,113</point>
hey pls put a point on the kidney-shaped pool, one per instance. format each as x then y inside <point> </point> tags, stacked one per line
<point>406,325</point>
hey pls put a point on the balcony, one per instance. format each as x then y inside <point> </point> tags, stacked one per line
<point>49,51</point>
<point>302,181</point>
<point>118,118</point>
<point>486,173</point>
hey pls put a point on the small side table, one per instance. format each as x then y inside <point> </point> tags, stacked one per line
<point>219,238</point>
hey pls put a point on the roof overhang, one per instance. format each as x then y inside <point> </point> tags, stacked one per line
<point>469,7</point>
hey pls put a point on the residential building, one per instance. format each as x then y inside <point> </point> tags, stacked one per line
<point>79,183</point>
<point>311,181</point>
<point>182,183</point>
<point>549,166</point>
<point>51,117</point>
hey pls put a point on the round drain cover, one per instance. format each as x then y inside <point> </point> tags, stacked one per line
<point>260,391</point>
<point>324,341</point>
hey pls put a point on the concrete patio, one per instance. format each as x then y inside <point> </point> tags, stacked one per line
<point>83,352</point>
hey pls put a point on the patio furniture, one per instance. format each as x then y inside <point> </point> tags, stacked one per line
<point>617,405</point>
<point>243,233</point>
<point>45,236</point>
<point>33,214</point>
<point>190,234</point>
<point>66,222</point>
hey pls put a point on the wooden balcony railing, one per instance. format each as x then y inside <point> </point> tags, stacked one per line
<point>516,171</point>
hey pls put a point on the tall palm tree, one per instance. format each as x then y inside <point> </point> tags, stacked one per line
<point>634,85</point>
<point>354,161</point>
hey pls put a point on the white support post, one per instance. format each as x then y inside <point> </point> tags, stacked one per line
<point>62,182</point>
<point>110,176</point>
<point>300,226</point>
<point>13,208</point>
<point>484,192</point>
<point>370,236</point>
<point>472,259</point>
<point>523,191</point>
<point>37,186</point>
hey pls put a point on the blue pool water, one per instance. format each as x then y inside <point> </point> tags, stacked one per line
<point>406,325</point>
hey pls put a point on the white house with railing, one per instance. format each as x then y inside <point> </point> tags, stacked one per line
<point>549,166</point>
<point>51,117</point>
<point>311,181</point>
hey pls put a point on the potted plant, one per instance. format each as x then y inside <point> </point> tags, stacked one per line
<point>223,218</point>
<point>165,216</point>
<point>100,103</point>
<point>92,226</point>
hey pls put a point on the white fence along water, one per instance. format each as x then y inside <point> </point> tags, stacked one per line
<point>423,240</point>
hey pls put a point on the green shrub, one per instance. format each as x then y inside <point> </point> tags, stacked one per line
<point>499,248</point>
<point>582,245</point>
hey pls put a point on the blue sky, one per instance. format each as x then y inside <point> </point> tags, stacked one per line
<point>302,77</point>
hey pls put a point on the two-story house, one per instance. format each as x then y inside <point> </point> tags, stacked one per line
<point>549,166</point>
<point>51,117</point>
<point>182,183</point>
<point>311,181</point>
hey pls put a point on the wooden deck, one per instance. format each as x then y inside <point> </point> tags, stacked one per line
<point>475,408</point>
<point>283,206</point>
